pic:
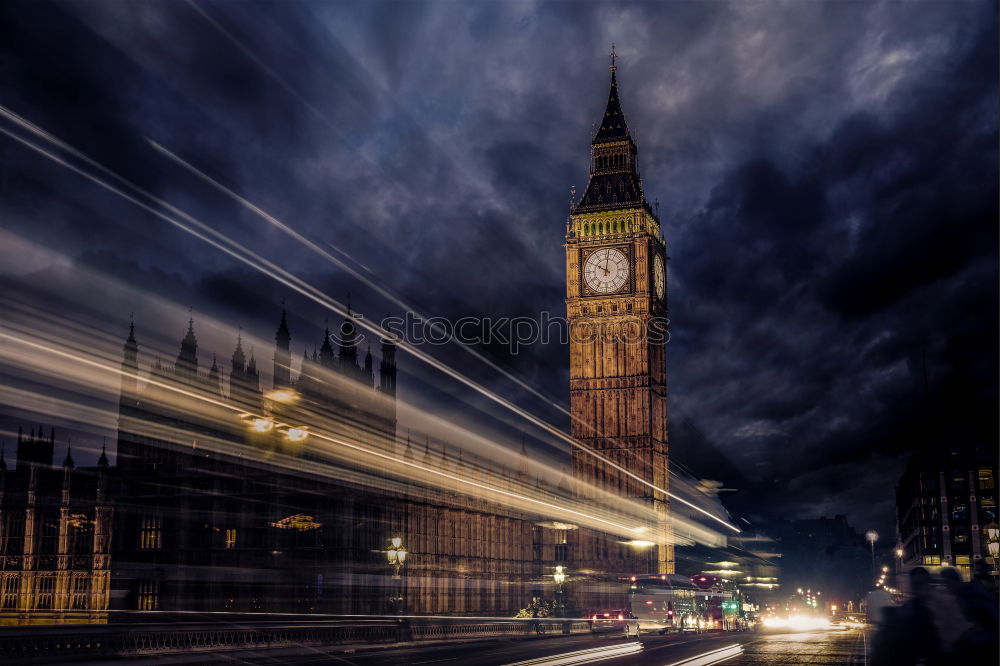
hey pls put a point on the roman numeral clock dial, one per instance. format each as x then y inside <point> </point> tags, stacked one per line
<point>606,271</point>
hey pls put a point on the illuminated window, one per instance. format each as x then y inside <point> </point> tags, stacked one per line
<point>985,479</point>
<point>150,532</point>
<point>79,587</point>
<point>149,594</point>
<point>962,559</point>
<point>10,588</point>
<point>932,560</point>
<point>230,538</point>
<point>46,586</point>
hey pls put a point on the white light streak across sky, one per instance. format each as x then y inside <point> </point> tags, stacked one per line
<point>207,234</point>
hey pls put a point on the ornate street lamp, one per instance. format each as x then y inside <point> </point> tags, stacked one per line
<point>396,554</point>
<point>992,532</point>
<point>560,577</point>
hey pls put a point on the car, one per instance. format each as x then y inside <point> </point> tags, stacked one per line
<point>614,621</point>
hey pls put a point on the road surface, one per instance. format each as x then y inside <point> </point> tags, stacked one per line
<point>845,647</point>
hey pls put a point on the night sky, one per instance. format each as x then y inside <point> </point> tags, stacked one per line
<point>826,172</point>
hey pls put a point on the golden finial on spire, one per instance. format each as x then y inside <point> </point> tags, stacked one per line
<point>614,67</point>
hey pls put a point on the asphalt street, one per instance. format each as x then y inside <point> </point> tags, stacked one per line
<point>834,647</point>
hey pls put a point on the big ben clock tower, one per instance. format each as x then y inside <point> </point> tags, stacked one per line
<point>616,306</point>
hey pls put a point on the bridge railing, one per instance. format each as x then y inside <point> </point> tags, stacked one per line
<point>61,643</point>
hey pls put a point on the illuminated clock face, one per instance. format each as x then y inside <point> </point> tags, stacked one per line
<point>659,277</point>
<point>606,271</point>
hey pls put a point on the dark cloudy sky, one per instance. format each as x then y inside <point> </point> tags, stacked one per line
<point>826,171</point>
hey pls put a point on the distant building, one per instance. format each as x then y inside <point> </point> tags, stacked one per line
<point>943,499</point>
<point>55,537</point>
<point>825,554</point>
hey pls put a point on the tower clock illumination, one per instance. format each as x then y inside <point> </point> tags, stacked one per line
<point>659,277</point>
<point>606,270</point>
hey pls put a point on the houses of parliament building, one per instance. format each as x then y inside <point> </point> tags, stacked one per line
<point>229,497</point>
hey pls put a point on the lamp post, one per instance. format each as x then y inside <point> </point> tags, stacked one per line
<point>396,555</point>
<point>872,537</point>
<point>559,577</point>
<point>992,532</point>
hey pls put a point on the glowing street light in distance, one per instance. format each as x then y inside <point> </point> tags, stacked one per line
<point>262,424</point>
<point>283,395</point>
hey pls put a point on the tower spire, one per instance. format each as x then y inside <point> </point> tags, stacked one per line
<point>282,374</point>
<point>186,365</point>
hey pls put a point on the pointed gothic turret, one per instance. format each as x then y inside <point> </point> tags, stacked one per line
<point>35,449</point>
<point>613,125</point>
<point>103,460</point>
<point>130,367</point>
<point>408,452</point>
<point>239,364</point>
<point>186,366</point>
<point>368,374</point>
<point>387,368</point>
<point>348,354</point>
<point>215,378</point>
<point>614,182</point>
<point>282,353</point>
<point>244,382</point>
<point>326,351</point>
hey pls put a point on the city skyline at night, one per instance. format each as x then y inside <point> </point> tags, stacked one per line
<point>469,308</point>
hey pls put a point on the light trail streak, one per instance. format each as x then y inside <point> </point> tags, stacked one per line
<point>369,281</point>
<point>713,657</point>
<point>108,386</point>
<point>361,277</point>
<point>583,656</point>
<point>255,261</point>
<point>197,396</point>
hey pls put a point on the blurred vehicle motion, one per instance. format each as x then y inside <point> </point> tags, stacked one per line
<point>615,621</point>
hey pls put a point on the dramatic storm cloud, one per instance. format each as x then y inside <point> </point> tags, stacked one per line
<point>826,172</point>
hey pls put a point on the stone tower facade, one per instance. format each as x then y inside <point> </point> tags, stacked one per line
<point>616,305</point>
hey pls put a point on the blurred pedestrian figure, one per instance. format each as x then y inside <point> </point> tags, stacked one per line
<point>907,635</point>
<point>947,614</point>
<point>979,642</point>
